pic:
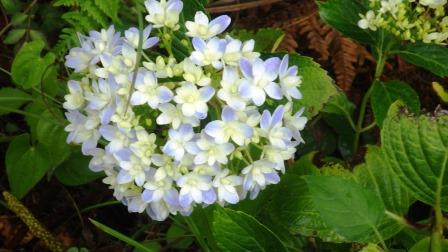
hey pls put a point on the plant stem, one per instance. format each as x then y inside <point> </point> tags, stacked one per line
<point>194,229</point>
<point>437,232</point>
<point>362,111</point>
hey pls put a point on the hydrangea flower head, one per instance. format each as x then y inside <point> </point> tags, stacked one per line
<point>171,135</point>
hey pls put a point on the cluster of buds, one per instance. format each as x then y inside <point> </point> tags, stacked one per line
<point>214,128</point>
<point>422,20</point>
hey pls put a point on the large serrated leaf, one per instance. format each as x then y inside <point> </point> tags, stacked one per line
<point>236,231</point>
<point>386,93</point>
<point>417,150</point>
<point>377,176</point>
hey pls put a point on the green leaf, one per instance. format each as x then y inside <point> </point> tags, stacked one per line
<point>431,57</point>
<point>346,207</point>
<point>440,91</point>
<point>377,176</point>
<point>175,236</point>
<point>18,18</point>
<point>386,93</point>
<point>265,38</point>
<point>236,231</point>
<point>317,87</point>
<point>417,150</point>
<point>293,207</point>
<point>53,137</point>
<point>11,6</point>
<point>75,171</point>
<point>121,236</point>
<point>28,66</point>
<point>339,104</point>
<point>25,165</point>
<point>14,36</point>
<point>425,245</point>
<point>152,245</point>
<point>11,98</point>
<point>343,15</point>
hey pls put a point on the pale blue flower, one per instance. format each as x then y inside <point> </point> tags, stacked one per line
<point>148,91</point>
<point>289,80</point>
<point>175,146</point>
<point>132,36</point>
<point>272,128</point>
<point>202,28</point>
<point>208,53</point>
<point>195,188</point>
<point>259,80</point>
<point>229,128</point>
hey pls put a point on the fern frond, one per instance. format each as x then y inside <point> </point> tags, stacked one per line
<point>66,3</point>
<point>109,8</point>
<point>89,7</point>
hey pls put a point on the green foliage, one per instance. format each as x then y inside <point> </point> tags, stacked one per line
<point>417,150</point>
<point>338,200</point>
<point>386,93</point>
<point>431,57</point>
<point>317,87</point>
<point>28,66</point>
<point>122,237</point>
<point>75,171</point>
<point>14,36</point>
<point>11,99</point>
<point>26,164</point>
<point>377,176</point>
<point>237,231</point>
<point>266,39</point>
<point>53,137</point>
<point>84,16</point>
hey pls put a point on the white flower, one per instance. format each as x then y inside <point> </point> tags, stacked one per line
<point>206,150</point>
<point>201,27</point>
<point>278,155</point>
<point>118,138</point>
<point>75,99</point>
<point>157,190</point>
<point>433,3</point>
<point>368,21</point>
<point>158,210</point>
<point>235,50</point>
<point>194,101</point>
<point>103,98</point>
<point>296,122</point>
<point>208,53</point>
<point>195,188</point>
<point>161,68</point>
<point>133,169</point>
<point>230,89</point>
<point>105,42</point>
<point>225,185</point>
<point>173,115</point>
<point>289,81</point>
<point>144,146</point>
<point>132,36</point>
<point>175,146</point>
<point>136,204</point>
<point>101,160</point>
<point>167,168</point>
<point>148,91</point>
<point>229,127</point>
<point>272,128</point>
<point>195,74</point>
<point>258,175</point>
<point>80,132</point>
<point>163,13</point>
<point>259,80</point>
